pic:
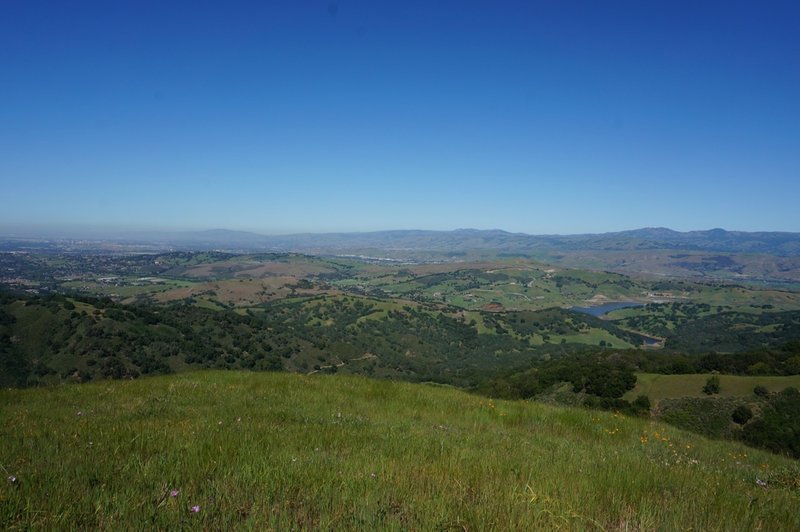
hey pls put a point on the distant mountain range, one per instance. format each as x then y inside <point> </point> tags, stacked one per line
<point>459,241</point>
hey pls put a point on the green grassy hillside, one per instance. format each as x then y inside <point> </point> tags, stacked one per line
<point>266,450</point>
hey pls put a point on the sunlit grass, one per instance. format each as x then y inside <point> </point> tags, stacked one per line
<point>287,451</point>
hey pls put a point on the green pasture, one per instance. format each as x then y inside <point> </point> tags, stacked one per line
<point>658,387</point>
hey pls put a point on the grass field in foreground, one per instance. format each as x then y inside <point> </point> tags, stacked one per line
<point>658,387</point>
<point>221,450</point>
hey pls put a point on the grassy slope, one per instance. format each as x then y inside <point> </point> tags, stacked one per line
<point>658,387</point>
<point>278,451</point>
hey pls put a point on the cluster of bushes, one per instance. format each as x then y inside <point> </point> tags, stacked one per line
<point>593,373</point>
<point>638,407</point>
<point>778,360</point>
<point>775,424</point>
<point>711,417</point>
<point>778,426</point>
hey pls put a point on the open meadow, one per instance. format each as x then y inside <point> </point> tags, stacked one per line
<point>658,387</point>
<point>221,450</point>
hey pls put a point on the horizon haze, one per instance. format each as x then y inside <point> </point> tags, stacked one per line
<point>110,233</point>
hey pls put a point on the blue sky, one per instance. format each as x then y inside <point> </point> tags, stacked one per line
<point>293,116</point>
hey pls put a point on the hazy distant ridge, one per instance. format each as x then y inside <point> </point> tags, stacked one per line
<point>459,240</point>
<point>718,240</point>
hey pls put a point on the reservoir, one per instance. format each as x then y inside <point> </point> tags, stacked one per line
<point>651,341</point>
<point>600,310</point>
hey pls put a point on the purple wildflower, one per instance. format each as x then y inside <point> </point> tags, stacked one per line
<point>174,493</point>
<point>195,509</point>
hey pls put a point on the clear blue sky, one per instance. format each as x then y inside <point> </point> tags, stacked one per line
<point>290,116</point>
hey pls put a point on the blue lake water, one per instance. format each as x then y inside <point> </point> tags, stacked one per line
<point>599,310</point>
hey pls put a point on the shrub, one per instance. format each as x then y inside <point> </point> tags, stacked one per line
<point>712,385</point>
<point>793,365</point>
<point>761,391</point>
<point>642,402</point>
<point>609,382</point>
<point>741,415</point>
<point>759,368</point>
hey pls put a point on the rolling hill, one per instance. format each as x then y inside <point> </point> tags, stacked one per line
<point>716,253</point>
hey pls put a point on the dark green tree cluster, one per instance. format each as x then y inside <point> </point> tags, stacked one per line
<point>606,380</point>
<point>723,332</point>
<point>54,341</point>
<point>595,374</point>
<point>777,360</point>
